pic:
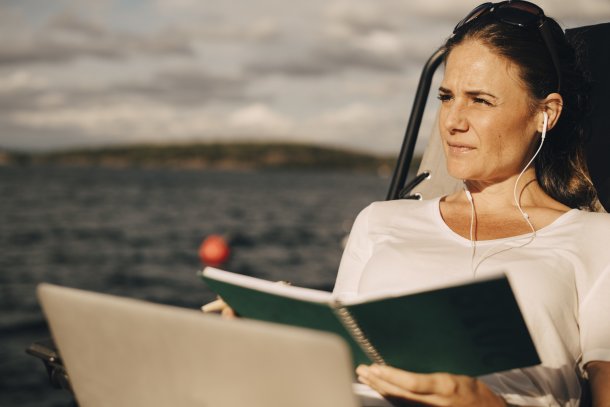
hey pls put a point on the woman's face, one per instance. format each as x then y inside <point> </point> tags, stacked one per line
<point>486,124</point>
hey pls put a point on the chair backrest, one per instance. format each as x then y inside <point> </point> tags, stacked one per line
<point>594,42</point>
<point>439,182</point>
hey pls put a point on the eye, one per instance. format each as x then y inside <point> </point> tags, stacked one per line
<point>444,97</point>
<point>482,101</point>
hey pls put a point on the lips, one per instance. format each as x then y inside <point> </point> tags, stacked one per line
<point>459,148</point>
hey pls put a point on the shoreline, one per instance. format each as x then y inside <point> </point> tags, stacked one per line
<point>239,157</point>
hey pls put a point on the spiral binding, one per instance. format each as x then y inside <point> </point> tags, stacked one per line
<point>349,322</point>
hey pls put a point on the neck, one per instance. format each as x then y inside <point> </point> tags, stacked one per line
<point>500,194</point>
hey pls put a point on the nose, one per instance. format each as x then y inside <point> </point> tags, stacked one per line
<point>453,118</point>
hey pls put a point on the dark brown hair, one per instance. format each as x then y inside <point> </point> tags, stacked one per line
<point>561,168</point>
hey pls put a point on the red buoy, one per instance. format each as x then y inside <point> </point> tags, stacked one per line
<point>214,251</point>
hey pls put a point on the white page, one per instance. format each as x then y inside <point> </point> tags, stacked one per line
<point>299,293</point>
<point>318,296</point>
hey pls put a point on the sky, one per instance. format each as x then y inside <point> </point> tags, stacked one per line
<point>88,73</point>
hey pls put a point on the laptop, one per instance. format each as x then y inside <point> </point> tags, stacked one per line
<point>125,352</point>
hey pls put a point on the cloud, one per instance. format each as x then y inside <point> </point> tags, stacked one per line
<point>186,87</point>
<point>151,121</point>
<point>376,52</point>
<point>352,125</point>
<point>260,119</point>
<point>387,36</point>
<point>260,30</point>
<point>178,88</point>
<point>569,13</point>
<point>252,22</point>
<point>128,122</point>
<point>349,18</point>
<point>377,38</point>
<point>21,80</point>
<point>68,37</point>
<point>577,13</point>
<point>356,125</point>
<point>24,90</point>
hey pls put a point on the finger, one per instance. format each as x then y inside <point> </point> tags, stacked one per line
<point>228,313</point>
<point>214,306</point>
<point>384,388</point>
<point>369,375</point>
<point>434,388</point>
<point>392,391</point>
<point>431,383</point>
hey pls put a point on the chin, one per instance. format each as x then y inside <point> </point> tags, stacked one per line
<point>459,170</point>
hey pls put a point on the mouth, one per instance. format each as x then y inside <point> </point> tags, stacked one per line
<point>458,148</point>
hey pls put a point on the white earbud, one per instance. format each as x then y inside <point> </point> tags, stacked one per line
<point>545,124</point>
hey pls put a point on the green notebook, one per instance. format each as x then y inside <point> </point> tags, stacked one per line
<point>473,328</point>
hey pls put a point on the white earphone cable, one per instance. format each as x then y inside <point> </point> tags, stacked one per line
<point>531,236</point>
<point>517,201</point>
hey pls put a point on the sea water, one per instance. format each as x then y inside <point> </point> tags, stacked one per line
<point>135,232</point>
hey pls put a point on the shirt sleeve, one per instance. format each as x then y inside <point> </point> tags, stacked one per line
<point>357,252</point>
<point>595,321</point>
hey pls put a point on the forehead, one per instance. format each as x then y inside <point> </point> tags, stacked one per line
<point>474,65</point>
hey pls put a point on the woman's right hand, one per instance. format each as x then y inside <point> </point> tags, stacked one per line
<point>220,307</point>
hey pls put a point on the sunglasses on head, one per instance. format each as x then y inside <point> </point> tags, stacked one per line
<point>521,14</point>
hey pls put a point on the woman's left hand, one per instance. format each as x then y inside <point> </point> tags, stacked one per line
<point>435,389</point>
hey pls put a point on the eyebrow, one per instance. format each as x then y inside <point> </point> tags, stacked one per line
<point>475,92</point>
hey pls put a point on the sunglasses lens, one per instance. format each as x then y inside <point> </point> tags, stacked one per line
<point>473,15</point>
<point>524,6</point>
<point>521,13</point>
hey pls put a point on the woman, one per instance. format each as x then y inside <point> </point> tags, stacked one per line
<point>510,77</point>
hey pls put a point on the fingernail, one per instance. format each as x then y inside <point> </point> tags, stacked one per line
<point>362,370</point>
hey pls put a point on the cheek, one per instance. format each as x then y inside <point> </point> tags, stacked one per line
<point>497,134</point>
<point>498,146</point>
<point>509,151</point>
<point>490,138</point>
<point>502,150</point>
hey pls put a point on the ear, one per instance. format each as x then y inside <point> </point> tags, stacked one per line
<point>552,105</point>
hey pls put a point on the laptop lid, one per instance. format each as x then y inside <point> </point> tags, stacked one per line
<point>125,352</point>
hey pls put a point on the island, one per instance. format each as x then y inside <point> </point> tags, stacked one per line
<point>238,156</point>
